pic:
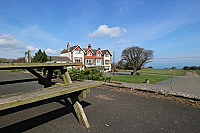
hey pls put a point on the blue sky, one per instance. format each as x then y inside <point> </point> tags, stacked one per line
<point>169,27</point>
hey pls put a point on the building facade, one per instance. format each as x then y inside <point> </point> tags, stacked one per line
<point>91,58</point>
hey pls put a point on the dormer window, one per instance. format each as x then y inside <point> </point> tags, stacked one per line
<point>78,51</point>
<point>89,54</point>
<point>107,55</point>
<point>99,55</point>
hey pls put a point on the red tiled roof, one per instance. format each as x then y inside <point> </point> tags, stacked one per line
<point>85,49</point>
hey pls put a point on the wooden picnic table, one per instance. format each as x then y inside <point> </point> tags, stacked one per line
<point>74,90</point>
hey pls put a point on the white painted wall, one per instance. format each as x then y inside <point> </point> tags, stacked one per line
<point>69,55</point>
<point>81,55</point>
<point>107,58</point>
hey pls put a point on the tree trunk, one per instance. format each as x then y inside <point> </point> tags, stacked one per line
<point>135,72</point>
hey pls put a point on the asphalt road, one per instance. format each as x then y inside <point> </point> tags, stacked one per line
<point>107,111</point>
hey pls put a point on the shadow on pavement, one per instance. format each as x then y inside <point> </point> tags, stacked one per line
<point>18,81</point>
<point>22,80</point>
<point>40,119</point>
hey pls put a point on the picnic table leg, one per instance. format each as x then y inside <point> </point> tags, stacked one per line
<point>79,110</point>
<point>41,80</point>
<point>66,76</point>
<point>49,74</point>
<point>44,72</point>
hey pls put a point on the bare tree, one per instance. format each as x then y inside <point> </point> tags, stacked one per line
<point>137,57</point>
<point>121,64</point>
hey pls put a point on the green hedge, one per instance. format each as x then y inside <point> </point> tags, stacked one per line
<point>89,74</point>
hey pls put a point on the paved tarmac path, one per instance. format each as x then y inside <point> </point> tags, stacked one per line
<point>189,84</point>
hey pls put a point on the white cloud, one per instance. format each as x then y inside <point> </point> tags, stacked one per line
<point>9,41</point>
<point>32,48</point>
<point>11,47</point>
<point>122,42</point>
<point>51,51</point>
<point>104,30</point>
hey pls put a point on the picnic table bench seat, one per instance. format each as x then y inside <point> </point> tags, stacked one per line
<point>21,98</point>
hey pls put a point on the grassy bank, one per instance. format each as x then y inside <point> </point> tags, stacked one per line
<point>140,79</point>
<point>197,71</point>
<point>173,72</point>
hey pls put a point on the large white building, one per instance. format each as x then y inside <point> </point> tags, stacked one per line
<point>88,56</point>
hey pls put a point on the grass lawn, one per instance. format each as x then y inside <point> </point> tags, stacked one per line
<point>17,70</point>
<point>140,79</point>
<point>197,71</point>
<point>173,72</point>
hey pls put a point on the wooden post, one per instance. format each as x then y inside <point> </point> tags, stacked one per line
<point>147,81</point>
<point>79,110</point>
<point>44,72</point>
<point>29,56</point>
<point>113,62</point>
<point>66,76</point>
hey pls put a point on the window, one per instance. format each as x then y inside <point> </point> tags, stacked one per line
<point>106,68</point>
<point>107,61</point>
<point>77,60</point>
<point>77,51</point>
<point>89,61</point>
<point>98,54</point>
<point>78,68</point>
<point>98,61</point>
<point>107,55</point>
<point>89,54</point>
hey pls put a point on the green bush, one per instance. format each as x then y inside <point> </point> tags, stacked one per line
<point>17,70</point>
<point>88,74</point>
<point>57,72</point>
<point>93,74</point>
<point>76,74</point>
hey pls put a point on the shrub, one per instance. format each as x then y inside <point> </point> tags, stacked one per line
<point>193,68</point>
<point>89,74</point>
<point>76,74</point>
<point>58,73</point>
<point>173,67</point>
<point>150,67</point>
<point>93,74</point>
<point>186,68</point>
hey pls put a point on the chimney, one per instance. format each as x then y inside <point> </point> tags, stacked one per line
<point>68,47</point>
<point>99,49</point>
<point>89,46</point>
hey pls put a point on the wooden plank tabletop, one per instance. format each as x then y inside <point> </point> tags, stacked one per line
<point>17,99</point>
<point>6,66</point>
